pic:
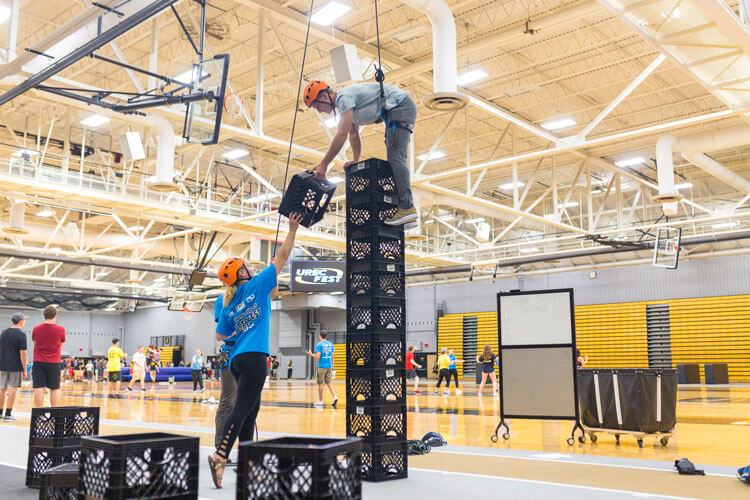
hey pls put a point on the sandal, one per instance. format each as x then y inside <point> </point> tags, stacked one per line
<point>217,470</point>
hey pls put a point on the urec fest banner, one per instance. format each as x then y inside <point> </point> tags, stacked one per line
<point>318,276</point>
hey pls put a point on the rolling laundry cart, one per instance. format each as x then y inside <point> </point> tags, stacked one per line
<point>638,402</point>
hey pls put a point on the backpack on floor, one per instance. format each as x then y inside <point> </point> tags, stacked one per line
<point>685,466</point>
<point>434,439</point>
<point>743,474</point>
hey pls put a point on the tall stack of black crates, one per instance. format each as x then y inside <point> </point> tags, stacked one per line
<point>376,322</point>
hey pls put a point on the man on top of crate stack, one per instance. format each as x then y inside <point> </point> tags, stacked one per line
<point>361,104</point>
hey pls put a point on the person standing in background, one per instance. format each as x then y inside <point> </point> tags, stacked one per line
<point>443,373</point>
<point>487,360</point>
<point>114,368</point>
<point>139,370</point>
<point>581,360</point>
<point>411,373</point>
<point>12,363</point>
<point>48,339</point>
<point>153,362</point>
<point>196,370</point>
<point>453,370</point>
<point>289,369</point>
<point>324,355</point>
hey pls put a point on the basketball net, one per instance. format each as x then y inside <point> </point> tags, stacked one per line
<point>233,105</point>
<point>187,312</point>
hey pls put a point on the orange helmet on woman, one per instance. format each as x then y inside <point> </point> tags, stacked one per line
<point>312,90</point>
<point>228,270</point>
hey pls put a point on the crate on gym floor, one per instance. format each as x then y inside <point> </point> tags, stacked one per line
<point>300,467</point>
<point>380,242</point>
<point>308,197</point>
<point>376,386</point>
<point>384,461</point>
<point>375,351</point>
<point>43,458</point>
<point>376,423</point>
<point>60,483</point>
<point>152,465</point>
<point>375,279</point>
<point>370,176</point>
<point>375,314</point>
<point>62,425</point>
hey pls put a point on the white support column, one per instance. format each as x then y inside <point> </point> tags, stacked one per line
<point>12,40</point>
<point>259,84</point>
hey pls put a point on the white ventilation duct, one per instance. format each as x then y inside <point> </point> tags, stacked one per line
<point>665,174</point>
<point>164,178</point>
<point>16,223</point>
<point>718,170</point>
<point>445,94</point>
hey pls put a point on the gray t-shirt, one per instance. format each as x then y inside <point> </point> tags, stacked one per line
<point>364,99</point>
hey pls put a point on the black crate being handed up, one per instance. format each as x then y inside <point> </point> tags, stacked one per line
<point>300,467</point>
<point>153,465</point>
<point>308,197</point>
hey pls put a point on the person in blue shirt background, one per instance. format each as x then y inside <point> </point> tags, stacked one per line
<point>196,370</point>
<point>246,316</point>
<point>453,370</point>
<point>324,354</point>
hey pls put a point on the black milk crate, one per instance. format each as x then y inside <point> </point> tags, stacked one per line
<point>373,176</point>
<point>152,465</point>
<point>375,278</point>
<point>379,242</point>
<point>375,314</point>
<point>42,458</point>
<point>384,461</point>
<point>376,386</point>
<point>307,196</point>
<point>370,351</point>
<point>363,217</point>
<point>300,467</point>
<point>62,425</point>
<point>60,483</point>
<point>376,423</point>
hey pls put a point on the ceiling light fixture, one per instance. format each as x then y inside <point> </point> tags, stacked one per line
<point>24,153</point>
<point>471,76</point>
<point>133,229</point>
<point>475,221</point>
<point>260,198</point>
<point>430,221</point>
<point>569,204</point>
<point>331,11</point>
<point>435,155</point>
<point>529,250</point>
<point>186,76</point>
<point>94,121</point>
<point>683,185</point>
<point>236,154</point>
<point>510,185</point>
<point>4,13</point>
<point>45,212</point>
<point>630,162</point>
<point>558,124</point>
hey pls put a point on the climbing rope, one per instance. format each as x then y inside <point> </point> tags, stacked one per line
<point>294,122</point>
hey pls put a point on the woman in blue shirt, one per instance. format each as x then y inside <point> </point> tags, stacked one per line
<point>196,370</point>
<point>246,315</point>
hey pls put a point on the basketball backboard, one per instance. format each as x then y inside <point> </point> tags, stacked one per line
<point>187,301</point>
<point>667,247</point>
<point>203,118</point>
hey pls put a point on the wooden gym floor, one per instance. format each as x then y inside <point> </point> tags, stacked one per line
<point>713,430</point>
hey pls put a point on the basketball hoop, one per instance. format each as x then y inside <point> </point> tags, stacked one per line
<point>233,104</point>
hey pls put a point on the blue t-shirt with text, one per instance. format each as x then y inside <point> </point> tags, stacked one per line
<point>218,306</point>
<point>248,315</point>
<point>325,349</point>
<point>197,363</point>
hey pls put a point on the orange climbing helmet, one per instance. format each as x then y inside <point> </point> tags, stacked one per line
<point>313,90</point>
<point>228,270</point>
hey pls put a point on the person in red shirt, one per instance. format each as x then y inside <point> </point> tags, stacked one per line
<point>48,338</point>
<point>411,373</point>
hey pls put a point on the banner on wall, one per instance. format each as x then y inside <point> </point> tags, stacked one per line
<point>317,276</point>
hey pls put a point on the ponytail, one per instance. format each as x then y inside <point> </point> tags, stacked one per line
<point>229,294</point>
